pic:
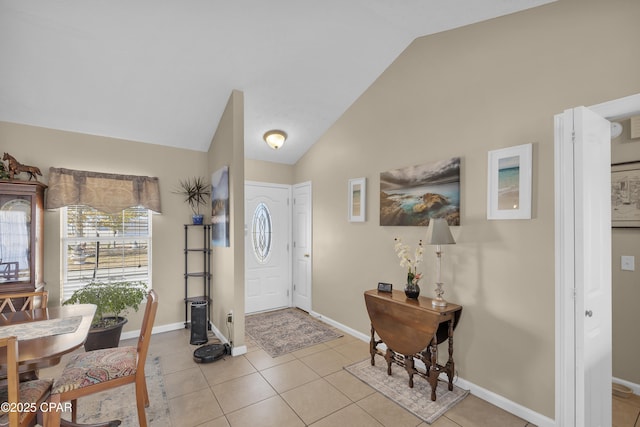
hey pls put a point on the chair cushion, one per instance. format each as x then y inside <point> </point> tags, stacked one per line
<point>94,367</point>
<point>30,392</point>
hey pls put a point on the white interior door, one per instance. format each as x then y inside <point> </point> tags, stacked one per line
<point>583,270</point>
<point>267,256</point>
<point>592,150</point>
<point>302,246</point>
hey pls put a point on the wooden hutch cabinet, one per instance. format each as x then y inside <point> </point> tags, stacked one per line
<point>21,235</point>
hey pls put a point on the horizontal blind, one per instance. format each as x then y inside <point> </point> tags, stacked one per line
<point>105,247</point>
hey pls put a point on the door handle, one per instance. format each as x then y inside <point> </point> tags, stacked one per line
<point>306,255</point>
<point>588,313</point>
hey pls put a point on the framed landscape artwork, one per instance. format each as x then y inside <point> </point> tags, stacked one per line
<point>509,183</point>
<point>415,194</point>
<point>625,194</point>
<point>357,199</point>
<point>220,207</point>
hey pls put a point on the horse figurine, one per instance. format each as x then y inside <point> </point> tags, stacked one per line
<point>16,167</point>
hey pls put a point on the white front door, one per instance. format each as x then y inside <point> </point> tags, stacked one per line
<point>583,270</point>
<point>267,255</point>
<point>302,246</point>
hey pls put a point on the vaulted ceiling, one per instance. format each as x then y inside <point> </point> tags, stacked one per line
<point>162,71</point>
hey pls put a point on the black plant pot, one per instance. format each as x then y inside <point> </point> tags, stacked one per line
<point>412,291</point>
<point>108,337</point>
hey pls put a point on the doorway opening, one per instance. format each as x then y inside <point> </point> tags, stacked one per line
<point>571,399</point>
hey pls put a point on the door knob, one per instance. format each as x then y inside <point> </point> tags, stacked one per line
<point>588,313</point>
<point>306,255</point>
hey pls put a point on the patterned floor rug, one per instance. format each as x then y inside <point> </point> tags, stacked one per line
<point>416,400</point>
<point>283,331</point>
<point>120,403</point>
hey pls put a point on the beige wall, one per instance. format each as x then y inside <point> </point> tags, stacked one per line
<point>626,284</point>
<point>462,93</point>
<point>274,173</point>
<point>45,148</point>
<point>227,149</point>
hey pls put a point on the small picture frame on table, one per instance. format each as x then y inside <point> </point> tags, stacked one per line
<point>385,287</point>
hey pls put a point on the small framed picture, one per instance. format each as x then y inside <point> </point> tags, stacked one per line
<point>509,183</point>
<point>625,195</point>
<point>385,287</point>
<point>357,199</point>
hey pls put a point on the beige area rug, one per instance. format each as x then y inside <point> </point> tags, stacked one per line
<point>283,331</point>
<point>120,403</point>
<point>416,400</point>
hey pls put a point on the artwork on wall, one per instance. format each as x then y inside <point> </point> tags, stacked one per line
<point>625,194</point>
<point>413,195</point>
<point>220,207</point>
<point>509,183</point>
<point>357,199</point>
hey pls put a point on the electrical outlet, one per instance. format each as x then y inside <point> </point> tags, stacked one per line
<point>230,317</point>
<point>628,262</point>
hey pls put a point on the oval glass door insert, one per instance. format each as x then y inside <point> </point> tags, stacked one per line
<point>261,233</point>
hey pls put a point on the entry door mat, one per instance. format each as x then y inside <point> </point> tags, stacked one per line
<point>290,329</point>
<point>416,400</point>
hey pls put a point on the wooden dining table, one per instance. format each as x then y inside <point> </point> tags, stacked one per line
<point>47,350</point>
<point>44,351</point>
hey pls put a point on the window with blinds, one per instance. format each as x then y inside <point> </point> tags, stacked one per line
<point>102,247</point>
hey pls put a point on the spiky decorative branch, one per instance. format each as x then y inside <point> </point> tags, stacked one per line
<point>195,191</point>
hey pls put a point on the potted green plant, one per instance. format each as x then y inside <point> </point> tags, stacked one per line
<point>113,301</point>
<point>195,191</point>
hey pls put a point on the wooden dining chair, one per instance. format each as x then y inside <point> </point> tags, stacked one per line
<point>23,398</point>
<point>22,301</point>
<point>99,370</point>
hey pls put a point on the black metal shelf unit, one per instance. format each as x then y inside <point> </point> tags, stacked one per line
<point>203,276</point>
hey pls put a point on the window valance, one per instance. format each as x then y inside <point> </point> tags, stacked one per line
<point>106,192</point>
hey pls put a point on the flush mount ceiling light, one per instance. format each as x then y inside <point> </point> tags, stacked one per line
<point>616,129</point>
<point>275,138</point>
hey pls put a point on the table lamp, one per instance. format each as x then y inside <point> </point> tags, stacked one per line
<point>438,233</point>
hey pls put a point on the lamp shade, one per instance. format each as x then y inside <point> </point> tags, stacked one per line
<point>275,138</point>
<point>438,232</point>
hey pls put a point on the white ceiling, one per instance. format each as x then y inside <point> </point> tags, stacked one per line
<point>162,71</point>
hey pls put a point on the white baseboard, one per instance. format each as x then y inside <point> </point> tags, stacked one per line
<point>340,326</point>
<point>506,404</point>
<point>156,330</point>
<point>235,350</point>
<point>484,394</point>
<point>238,351</point>
<point>632,386</point>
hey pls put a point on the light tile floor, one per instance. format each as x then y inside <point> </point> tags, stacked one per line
<point>304,388</point>
<point>626,411</point>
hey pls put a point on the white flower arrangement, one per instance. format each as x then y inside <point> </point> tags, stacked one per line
<point>406,261</point>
